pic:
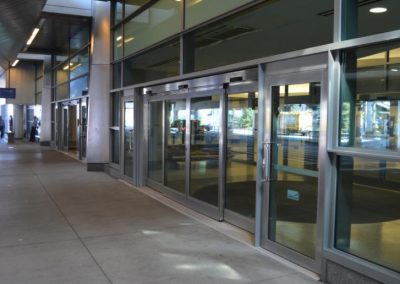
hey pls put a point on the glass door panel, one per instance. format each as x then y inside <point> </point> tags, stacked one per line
<point>84,113</point>
<point>205,120</point>
<point>64,128</point>
<point>175,150</point>
<point>128,138</point>
<point>293,157</point>
<point>241,153</point>
<point>155,141</point>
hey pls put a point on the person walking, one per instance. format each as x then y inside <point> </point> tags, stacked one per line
<point>35,126</point>
<point>1,127</point>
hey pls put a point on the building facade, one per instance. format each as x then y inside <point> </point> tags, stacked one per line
<point>280,117</point>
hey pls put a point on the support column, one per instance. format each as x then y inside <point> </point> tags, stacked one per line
<point>45,123</point>
<point>98,148</point>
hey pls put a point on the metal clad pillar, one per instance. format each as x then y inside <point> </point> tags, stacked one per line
<point>99,102</point>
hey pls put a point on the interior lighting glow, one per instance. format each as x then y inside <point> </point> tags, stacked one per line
<point>33,35</point>
<point>66,67</point>
<point>119,38</point>
<point>394,70</point>
<point>15,63</point>
<point>378,10</point>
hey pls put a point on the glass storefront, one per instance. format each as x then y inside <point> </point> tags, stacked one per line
<point>323,136</point>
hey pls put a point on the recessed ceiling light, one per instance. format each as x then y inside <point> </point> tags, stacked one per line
<point>378,10</point>
<point>119,38</point>
<point>394,70</point>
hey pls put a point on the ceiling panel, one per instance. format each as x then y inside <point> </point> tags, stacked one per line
<point>18,18</point>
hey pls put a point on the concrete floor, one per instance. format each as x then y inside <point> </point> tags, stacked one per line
<point>62,224</point>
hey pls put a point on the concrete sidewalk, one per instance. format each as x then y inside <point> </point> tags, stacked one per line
<point>62,224</point>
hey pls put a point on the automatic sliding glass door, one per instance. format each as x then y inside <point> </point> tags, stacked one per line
<point>241,158</point>
<point>175,149</point>
<point>205,129</point>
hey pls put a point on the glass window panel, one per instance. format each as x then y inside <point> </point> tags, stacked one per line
<point>175,117</point>
<point>394,55</point>
<point>62,73</point>
<point>259,32</point>
<point>198,11</point>
<point>118,43</point>
<point>79,87</point>
<point>79,64</point>
<point>133,5</point>
<point>115,108</point>
<point>160,21</point>
<point>155,140</point>
<point>62,92</point>
<point>79,36</point>
<point>117,75</point>
<point>370,99</point>
<point>117,9</point>
<point>241,151</point>
<point>39,85</point>
<point>205,116</point>
<point>158,63</point>
<point>360,20</point>
<point>367,212</point>
<point>115,146</point>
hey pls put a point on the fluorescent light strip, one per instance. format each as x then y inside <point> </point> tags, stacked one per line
<point>35,32</point>
<point>15,63</point>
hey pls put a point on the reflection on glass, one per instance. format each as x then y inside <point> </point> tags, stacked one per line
<point>201,11</point>
<point>62,91</point>
<point>155,140</point>
<point>129,127</point>
<point>132,5</point>
<point>241,151</point>
<point>161,20</point>
<point>175,117</point>
<point>204,150</point>
<point>157,63</point>
<point>62,73</point>
<point>84,113</point>
<point>240,37</point>
<point>367,212</point>
<point>118,39</point>
<point>79,64</point>
<point>358,18</point>
<point>117,9</point>
<point>370,98</point>
<point>79,87</point>
<point>79,36</point>
<point>294,166</point>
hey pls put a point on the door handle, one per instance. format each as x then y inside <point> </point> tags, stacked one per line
<point>266,163</point>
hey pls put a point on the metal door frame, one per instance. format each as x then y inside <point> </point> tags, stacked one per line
<point>300,71</point>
